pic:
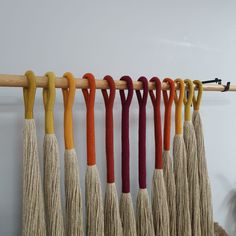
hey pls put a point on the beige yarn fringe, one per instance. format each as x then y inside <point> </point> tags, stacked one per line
<point>127,215</point>
<point>193,180</point>
<point>52,190</point>
<point>33,205</point>
<point>111,212</point>
<point>183,223</point>
<point>206,211</point>
<point>160,209</point>
<point>144,214</point>
<point>170,190</point>
<point>74,214</point>
<point>94,207</point>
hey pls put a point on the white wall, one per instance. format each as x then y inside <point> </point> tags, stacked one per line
<point>182,39</point>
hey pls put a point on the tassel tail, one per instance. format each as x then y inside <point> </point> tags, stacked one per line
<point>159,205</point>
<point>127,215</point>
<point>33,205</point>
<point>170,189</point>
<point>94,207</point>
<point>206,210</point>
<point>52,190</point>
<point>73,198</point>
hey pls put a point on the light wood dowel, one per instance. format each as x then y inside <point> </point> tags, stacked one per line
<point>20,81</point>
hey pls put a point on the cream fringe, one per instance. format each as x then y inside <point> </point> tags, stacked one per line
<point>111,212</point>
<point>181,183</point>
<point>144,214</point>
<point>52,190</point>
<point>127,215</point>
<point>193,180</point>
<point>73,198</point>
<point>94,207</point>
<point>160,209</point>
<point>33,205</point>
<point>170,190</point>
<point>207,225</point>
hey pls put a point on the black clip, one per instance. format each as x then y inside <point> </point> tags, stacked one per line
<point>226,87</point>
<point>216,80</point>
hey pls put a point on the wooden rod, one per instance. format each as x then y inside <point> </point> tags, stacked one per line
<point>21,81</point>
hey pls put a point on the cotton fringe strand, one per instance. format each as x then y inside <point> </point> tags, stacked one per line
<point>95,217</point>
<point>144,214</point>
<point>52,190</point>
<point>74,214</point>
<point>206,211</point>
<point>181,182</point>
<point>127,215</point>
<point>159,204</point>
<point>170,189</point>
<point>112,212</point>
<point>33,205</point>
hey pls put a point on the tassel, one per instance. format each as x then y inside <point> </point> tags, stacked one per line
<point>167,160</point>
<point>112,212</point>
<point>52,191</point>
<point>33,217</point>
<point>126,206</point>
<point>111,205</point>
<point>93,192</point>
<point>144,212</point>
<point>127,215</point>
<point>159,204</point>
<point>192,162</point>
<point>74,214</point>
<point>33,205</point>
<point>74,219</point>
<point>206,211</point>
<point>160,209</point>
<point>180,168</point>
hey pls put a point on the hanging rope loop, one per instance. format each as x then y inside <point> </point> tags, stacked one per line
<point>29,94</point>
<point>168,101</point>
<point>156,102</point>
<point>178,106</point>
<point>109,101</point>
<point>89,97</point>
<point>197,101</point>
<point>49,95</point>
<point>126,101</point>
<point>68,99</point>
<point>188,99</point>
<point>142,99</point>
